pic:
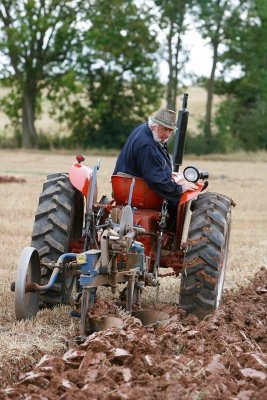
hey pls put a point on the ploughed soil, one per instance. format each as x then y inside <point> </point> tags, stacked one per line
<point>220,357</point>
<point>11,179</point>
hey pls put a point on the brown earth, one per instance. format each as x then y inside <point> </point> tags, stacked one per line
<point>11,179</point>
<point>221,357</point>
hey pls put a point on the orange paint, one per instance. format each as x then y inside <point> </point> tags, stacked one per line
<point>187,196</point>
<point>143,196</point>
<point>81,178</point>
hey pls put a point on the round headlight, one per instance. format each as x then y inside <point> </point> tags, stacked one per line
<point>191,174</point>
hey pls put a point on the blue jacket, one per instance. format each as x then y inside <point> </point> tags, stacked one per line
<point>143,157</point>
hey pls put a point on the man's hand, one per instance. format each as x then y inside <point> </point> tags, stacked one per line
<point>188,186</point>
<point>179,178</point>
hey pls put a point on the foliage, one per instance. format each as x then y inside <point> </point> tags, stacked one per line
<point>172,21</point>
<point>97,63</point>
<point>244,111</point>
<point>119,75</point>
<point>197,144</point>
<point>213,19</point>
<point>38,43</point>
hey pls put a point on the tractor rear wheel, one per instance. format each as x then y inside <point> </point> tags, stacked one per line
<point>206,254</point>
<point>58,220</point>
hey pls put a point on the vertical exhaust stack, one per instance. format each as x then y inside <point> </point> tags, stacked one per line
<point>182,120</point>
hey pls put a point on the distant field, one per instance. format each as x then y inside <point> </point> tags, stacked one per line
<point>48,125</point>
<point>22,343</point>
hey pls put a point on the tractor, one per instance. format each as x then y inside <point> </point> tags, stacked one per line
<point>82,243</point>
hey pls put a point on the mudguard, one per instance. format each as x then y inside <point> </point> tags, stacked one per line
<point>187,196</point>
<point>181,211</point>
<point>81,178</point>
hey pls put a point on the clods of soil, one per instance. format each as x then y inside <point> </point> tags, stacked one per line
<point>11,179</point>
<point>220,357</point>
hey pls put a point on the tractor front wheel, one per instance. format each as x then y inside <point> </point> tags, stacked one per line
<point>58,220</point>
<point>206,254</point>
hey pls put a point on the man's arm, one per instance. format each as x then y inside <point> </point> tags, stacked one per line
<point>157,174</point>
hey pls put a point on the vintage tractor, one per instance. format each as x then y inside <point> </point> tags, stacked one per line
<point>125,239</point>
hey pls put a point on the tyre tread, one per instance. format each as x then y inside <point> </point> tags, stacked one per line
<point>52,230</point>
<point>204,255</point>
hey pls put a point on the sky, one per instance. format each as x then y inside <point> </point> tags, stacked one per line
<point>200,60</point>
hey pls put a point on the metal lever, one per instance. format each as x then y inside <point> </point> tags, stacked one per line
<point>131,192</point>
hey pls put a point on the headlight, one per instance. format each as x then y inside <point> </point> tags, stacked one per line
<point>191,174</point>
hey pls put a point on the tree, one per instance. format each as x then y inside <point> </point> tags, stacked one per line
<point>172,20</point>
<point>243,114</point>
<point>118,74</point>
<point>212,19</point>
<point>39,41</point>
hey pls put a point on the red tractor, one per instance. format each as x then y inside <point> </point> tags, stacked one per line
<point>79,241</point>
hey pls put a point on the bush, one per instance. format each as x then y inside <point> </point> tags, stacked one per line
<point>10,141</point>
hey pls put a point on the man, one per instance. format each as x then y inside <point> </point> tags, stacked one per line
<point>145,155</point>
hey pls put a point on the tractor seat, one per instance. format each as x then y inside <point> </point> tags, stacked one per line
<point>143,196</point>
<point>127,175</point>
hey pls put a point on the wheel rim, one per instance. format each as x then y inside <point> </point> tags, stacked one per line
<point>223,267</point>
<point>28,272</point>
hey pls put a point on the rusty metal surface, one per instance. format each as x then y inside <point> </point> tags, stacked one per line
<point>101,324</point>
<point>174,260</point>
<point>108,279</point>
<point>104,248</point>
<point>132,260</point>
<point>150,317</point>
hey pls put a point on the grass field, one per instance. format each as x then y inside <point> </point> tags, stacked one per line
<point>21,344</point>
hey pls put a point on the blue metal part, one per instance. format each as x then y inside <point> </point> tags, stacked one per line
<point>75,314</point>
<point>56,271</point>
<point>89,272</point>
<point>51,281</point>
<point>87,280</point>
<point>138,248</point>
<point>92,296</point>
<point>92,258</point>
<point>64,256</point>
<point>88,268</point>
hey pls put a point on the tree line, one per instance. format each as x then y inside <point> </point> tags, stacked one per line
<point>97,63</point>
